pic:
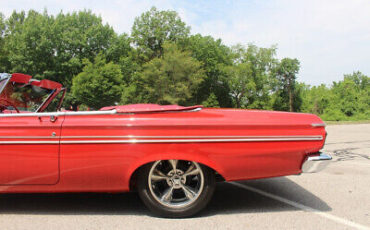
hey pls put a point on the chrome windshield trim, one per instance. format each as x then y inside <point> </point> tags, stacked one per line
<point>59,113</point>
<point>42,104</point>
<point>6,77</point>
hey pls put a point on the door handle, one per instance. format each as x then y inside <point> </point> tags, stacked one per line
<point>53,118</point>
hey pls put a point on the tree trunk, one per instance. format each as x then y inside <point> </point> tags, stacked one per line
<point>290,100</point>
<point>290,92</point>
<point>237,100</point>
<point>237,103</point>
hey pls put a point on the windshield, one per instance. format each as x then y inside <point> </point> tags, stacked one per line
<point>25,97</point>
<point>2,82</point>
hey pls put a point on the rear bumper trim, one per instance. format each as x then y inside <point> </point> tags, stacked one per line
<point>316,163</point>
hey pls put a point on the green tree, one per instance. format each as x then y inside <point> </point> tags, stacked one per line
<point>286,72</point>
<point>78,36</point>
<point>154,27</point>
<point>51,47</point>
<point>122,53</point>
<point>348,99</point>
<point>250,77</point>
<point>214,56</point>
<point>362,86</point>
<point>211,102</point>
<point>3,57</point>
<point>351,96</point>
<point>29,42</point>
<point>315,99</point>
<point>125,56</point>
<point>172,78</point>
<point>120,47</point>
<point>361,81</point>
<point>241,83</point>
<point>99,84</point>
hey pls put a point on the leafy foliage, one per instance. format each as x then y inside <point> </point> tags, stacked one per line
<point>214,56</point>
<point>99,84</point>
<point>154,27</point>
<point>316,99</point>
<point>348,99</point>
<point>161,62</point>
<point>211,102</point>
<point>3,56</point>
<point>54,47</point>
<point>241,83</point>
<point>250,77</point>
<point>286,72</point>
<point>172,78</point>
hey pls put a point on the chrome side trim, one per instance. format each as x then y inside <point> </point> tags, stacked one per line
<point>318,125</point>
<point>171,139</point>
<point>113,111</point>
<point>27,142</point>
<point>165,137</point>
<point>194,137</point>
<point>59,113</point>
<point>316,163</point>
<point>136,141</point>
<point>29,137</point>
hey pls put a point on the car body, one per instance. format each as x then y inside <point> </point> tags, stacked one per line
<point>110,149</point>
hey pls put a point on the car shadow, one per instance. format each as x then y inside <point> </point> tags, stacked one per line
<point>231,199</point>
<point>73,204</point>
<point>228,199</point>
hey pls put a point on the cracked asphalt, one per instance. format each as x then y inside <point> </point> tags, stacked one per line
<point>336,198</point>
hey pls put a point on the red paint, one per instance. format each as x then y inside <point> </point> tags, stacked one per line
<point>25,79</point>
<point>33,163</point>
<point>108,167</point>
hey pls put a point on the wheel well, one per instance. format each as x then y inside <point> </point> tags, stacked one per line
<point>133,178</point>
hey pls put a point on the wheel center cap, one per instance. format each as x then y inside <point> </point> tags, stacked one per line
<point>176,180</point>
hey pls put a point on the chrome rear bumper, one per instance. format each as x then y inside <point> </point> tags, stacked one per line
<point>316,163</point>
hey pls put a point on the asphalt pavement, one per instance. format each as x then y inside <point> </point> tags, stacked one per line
<point>336,198</point>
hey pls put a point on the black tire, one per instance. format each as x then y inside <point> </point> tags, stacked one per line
<point>157,208</point>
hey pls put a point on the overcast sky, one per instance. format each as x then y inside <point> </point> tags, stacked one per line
<point>329,37</point>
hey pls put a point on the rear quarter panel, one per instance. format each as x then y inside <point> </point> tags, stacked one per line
<point>109,166</point>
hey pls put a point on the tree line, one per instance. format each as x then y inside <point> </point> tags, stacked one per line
<point>160,61</point>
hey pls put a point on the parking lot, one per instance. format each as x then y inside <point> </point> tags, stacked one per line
<point>336,198</point>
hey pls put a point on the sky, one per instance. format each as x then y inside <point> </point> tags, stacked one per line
<point>329,37</point>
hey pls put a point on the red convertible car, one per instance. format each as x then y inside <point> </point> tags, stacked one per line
<point>171,155</point>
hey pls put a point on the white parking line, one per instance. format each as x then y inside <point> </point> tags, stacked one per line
<point>303,207</point>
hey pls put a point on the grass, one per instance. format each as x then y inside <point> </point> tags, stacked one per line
<point>347,122</point>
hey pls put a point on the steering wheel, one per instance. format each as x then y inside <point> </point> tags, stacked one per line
<point>11,104</point>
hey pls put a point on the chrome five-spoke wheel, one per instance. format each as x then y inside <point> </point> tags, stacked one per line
<point>176,188</point>
<point>175,184</point>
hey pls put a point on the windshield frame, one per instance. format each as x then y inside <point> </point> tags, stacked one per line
<point>52,95</point>
<point>6,79</point>
<point>43,103</point>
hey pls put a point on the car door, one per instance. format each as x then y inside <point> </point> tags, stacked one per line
<point>29,148</point>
